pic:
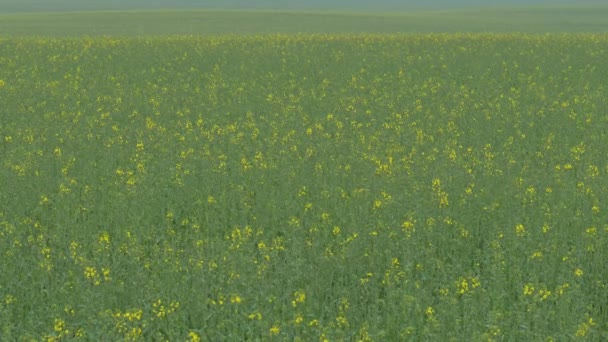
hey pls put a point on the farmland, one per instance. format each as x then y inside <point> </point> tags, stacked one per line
<point>557,19</point>
<point>339,187</point>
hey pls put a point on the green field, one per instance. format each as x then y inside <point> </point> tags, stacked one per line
<point>301,187</point>
<point>564,19</point>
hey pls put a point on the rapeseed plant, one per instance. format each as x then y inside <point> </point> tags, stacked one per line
<point>303,187</point>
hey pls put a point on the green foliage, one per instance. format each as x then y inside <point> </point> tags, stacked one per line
<point>339,187</point>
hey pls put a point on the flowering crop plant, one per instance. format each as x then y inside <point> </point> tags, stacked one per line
<point>328,187</point>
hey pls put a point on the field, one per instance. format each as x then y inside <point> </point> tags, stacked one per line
<point>333,187</point>
<point>556,19</point>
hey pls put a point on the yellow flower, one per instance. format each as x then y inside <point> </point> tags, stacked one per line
<point>561,289</point>
<point>194,337</point>
<point>377,204</point>
<point>106,274</point>
<point>463,286</point>
<point>59,325</point>
<point>342,321</point>
<point>475,282</point>
<point>520,230</point>
<point>546,228</point>
<point>544,294</point>
<point>90,272</point>
<point>443,199</point>
<point>104,238</point>
<point>584,327</point>
<point>537,255</point>
<point>298,297</point>
<point>429,312</point>
<point>578,272</point>
<point>134,334</point>
<point>255,316</point>
<point>407,225</point>
<point>131,315</point>
<point>275,330</point>
<point>235,299</point>
<point>436,184</point>
<point>43,199</point>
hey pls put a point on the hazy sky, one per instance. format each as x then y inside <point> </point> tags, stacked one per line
<point>380,5</point>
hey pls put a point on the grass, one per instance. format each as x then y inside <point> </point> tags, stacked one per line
<point>213,22</point>
<point>339,187</point>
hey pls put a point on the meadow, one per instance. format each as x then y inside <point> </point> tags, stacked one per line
<point>332,187</point>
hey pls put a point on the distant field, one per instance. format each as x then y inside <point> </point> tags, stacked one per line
<point>338,5</point>
<point>314,187</point>
<point>212,22</point>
